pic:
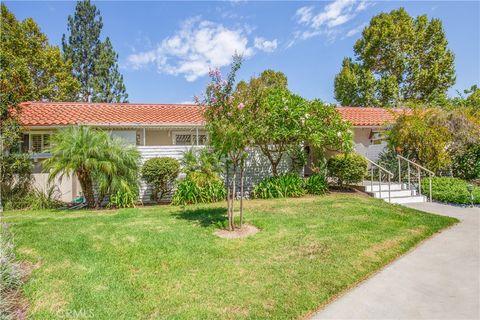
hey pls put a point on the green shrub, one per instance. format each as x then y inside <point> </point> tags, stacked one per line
<point>201,160</point>
<point>316,184</point>
<point>467,165</point>
<point>160,173</point>
<point>10,273</point>
<point>347,168</point>
<point>282,186</point>
<point>37,200</point>
<point>199,187</point>
<point>451,190</point>
<point>122,199</point>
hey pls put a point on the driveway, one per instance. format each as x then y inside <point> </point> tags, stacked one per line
<point>437,280</point>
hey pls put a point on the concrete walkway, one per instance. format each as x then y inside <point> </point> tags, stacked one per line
<point>438,280</point>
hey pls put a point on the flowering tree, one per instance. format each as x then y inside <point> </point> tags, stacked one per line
<point>227,123</point>
<point>285,121</point>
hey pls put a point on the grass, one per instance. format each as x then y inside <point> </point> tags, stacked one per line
<point>165,261</point>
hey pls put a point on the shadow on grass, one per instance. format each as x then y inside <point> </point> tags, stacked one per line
<point>205,216</point>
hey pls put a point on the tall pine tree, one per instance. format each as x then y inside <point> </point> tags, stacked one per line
<point>94,62</point>
<point>108,83</point>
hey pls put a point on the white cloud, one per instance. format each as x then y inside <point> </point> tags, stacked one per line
<point>333,15</point>
<point>138,60</point>
<point>265,45</point>
<point>304,15</point>
<point>195,48</point>
<point>356,30</point>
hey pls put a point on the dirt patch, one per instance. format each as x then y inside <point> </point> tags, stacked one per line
<point>243,232</point>
<point>380,247</point>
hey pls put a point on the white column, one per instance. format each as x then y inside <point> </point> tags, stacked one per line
<point>197,135</point>
<point>144,137</point>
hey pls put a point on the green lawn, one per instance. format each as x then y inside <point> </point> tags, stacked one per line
<point>165,262</point>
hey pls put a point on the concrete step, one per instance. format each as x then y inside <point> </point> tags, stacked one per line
<point>393,193</point>
<point>412,199</point>
<point>367,187</point>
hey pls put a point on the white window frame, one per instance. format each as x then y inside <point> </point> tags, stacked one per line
<point>30,140</point>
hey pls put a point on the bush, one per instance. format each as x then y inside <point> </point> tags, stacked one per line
<point>451,190</point>
<point>282,186</point>
<point>199,187</point>
<point>467,165</point>
<point>37,200</point>
<point>122,199</point>
<point>160,173</point>
<point>316,184</point>
<point>10,273</point>
<point>15,179</point>
<point>201,160</point>
<point>347,168</point>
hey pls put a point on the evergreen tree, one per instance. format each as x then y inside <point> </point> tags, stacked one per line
<point>94,62</point>
<point>108,82</point>
<point>402,59</point>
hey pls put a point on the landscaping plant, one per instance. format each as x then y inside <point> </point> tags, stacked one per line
<point>96,159</point>
<point>281,186</point>
<point>451,190</point>
<point>285,122</point>
<point>160,173</point>
<point>346,169</point>
<point>228,122</point>
<point>10,273</point>
<point>316,184</point>
<point>467,165</point>
<point>199,187</point>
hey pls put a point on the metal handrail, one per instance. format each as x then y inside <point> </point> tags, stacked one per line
<point>380,167</point>
<point>389,176</point>
<point>419,175</point>
<point>415,164</point>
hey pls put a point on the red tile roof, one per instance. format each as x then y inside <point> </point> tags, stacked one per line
<point>105,114</point>
<point>129,114</point>
<point>359,116</point>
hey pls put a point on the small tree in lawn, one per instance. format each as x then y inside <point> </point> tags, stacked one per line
<point>227,126</point>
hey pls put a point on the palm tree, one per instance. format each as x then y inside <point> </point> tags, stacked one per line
<point>97,160</point>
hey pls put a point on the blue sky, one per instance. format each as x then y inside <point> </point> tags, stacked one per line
<point>166,48</point>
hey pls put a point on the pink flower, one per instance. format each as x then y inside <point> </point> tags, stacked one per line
<point>241,106</point>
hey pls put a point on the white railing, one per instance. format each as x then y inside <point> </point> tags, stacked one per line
<point>381,170</point>
<point>419,170</point>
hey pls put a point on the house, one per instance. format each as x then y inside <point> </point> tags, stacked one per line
<point>163,130</point>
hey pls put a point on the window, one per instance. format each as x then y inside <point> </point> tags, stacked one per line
<point>183,139</point>
<point>36,142</point>
<point>377,137</point>
<point>189,139</point>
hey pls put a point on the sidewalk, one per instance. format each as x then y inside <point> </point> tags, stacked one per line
<point>438,280</point>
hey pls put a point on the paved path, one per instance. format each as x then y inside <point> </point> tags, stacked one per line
<point>438,280</point>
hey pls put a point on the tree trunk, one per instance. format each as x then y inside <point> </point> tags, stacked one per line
<point>273,162</point>
<point>229,216</point>
<point>242,177</point>
<point>234,178</point>
<point>87,188</point>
